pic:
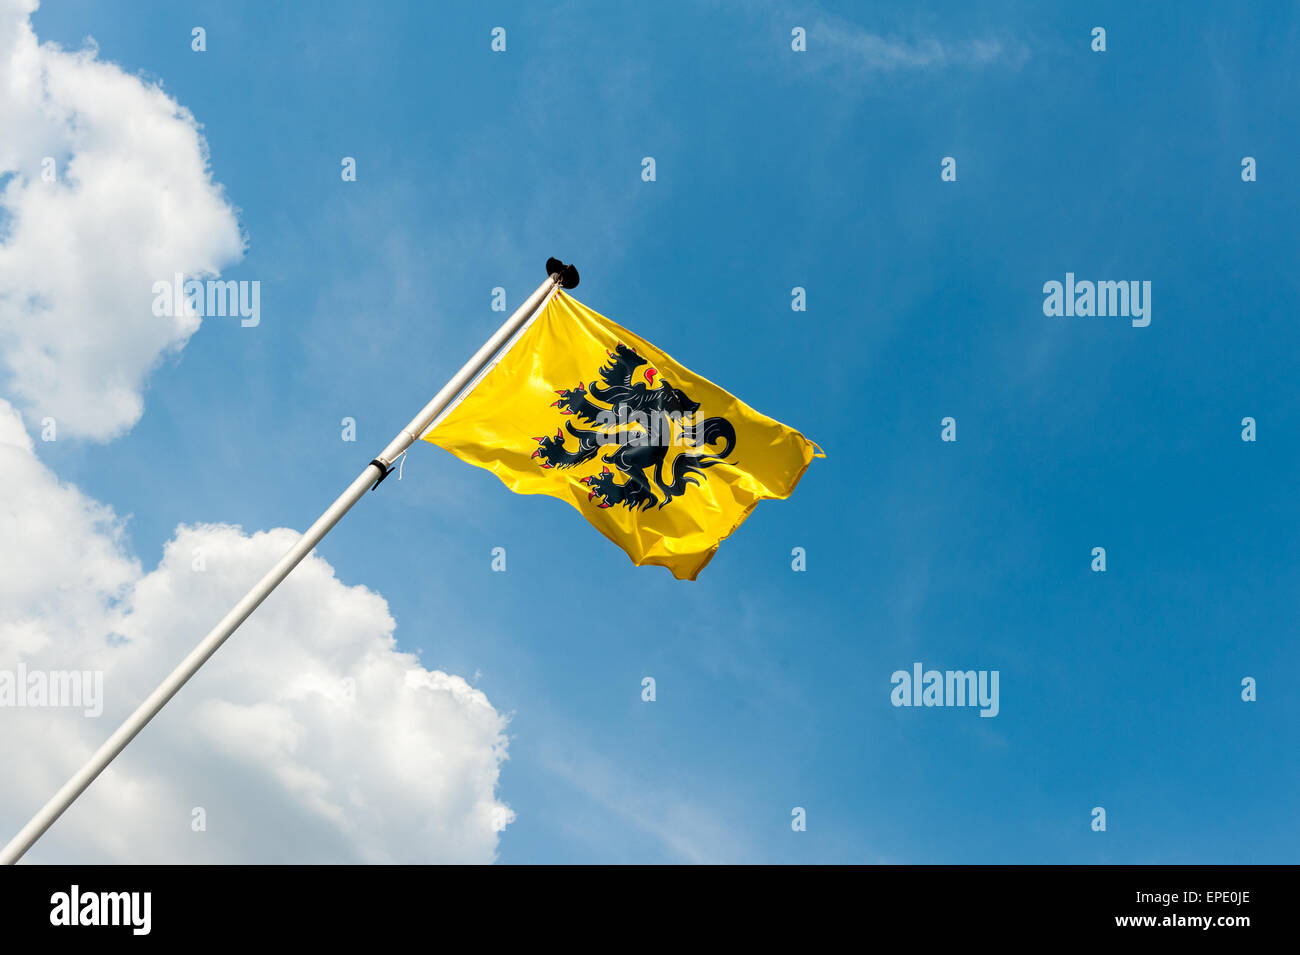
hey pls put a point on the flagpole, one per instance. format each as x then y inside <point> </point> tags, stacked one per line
<point>558,274</point>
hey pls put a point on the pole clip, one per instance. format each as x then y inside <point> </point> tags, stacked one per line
<point>386,468</point>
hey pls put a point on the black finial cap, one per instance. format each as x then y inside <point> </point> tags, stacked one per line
<point>568,273</point>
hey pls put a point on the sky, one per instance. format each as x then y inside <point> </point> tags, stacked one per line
<point>522,736</point>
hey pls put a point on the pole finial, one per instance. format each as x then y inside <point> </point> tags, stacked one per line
<point>568,273</point>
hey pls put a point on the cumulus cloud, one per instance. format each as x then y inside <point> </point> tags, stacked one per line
<point>308,737</point>
<point>132,203</point>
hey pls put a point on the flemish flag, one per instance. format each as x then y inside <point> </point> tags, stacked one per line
<point>661,461</point>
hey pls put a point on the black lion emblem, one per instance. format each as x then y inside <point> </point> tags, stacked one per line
<point>641,422</point>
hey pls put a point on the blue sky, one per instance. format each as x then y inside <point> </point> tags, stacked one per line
<point>778,169</point>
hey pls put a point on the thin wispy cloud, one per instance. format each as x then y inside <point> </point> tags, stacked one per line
<point>836,42</point>
<point>850,44</point>
<point>685,830</point>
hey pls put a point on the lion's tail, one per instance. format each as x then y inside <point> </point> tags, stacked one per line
<point>685,467</point>
<point>710,431</point>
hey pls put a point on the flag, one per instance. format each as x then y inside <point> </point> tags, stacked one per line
<point>661,461</point>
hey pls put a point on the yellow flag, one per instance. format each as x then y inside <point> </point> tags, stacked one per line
<point>661,461</point>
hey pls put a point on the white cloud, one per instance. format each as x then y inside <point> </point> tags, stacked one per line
<point>290,761</point>
<point>308,737</point>
<point>133,203</point>
<point>855,46</point>
<point>834,41</point>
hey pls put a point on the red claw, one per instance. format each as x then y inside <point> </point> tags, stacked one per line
<point>603,469</point>
<point>650,375</point>
<point>604,503</point>
<point>537,453</point>
<point>547,466</point>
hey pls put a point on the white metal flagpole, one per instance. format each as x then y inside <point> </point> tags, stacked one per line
<point>559,274</point>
